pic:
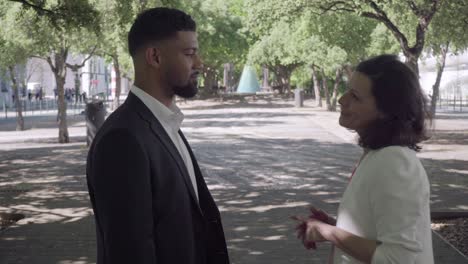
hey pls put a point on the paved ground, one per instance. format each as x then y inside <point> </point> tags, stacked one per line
<point>263,161</point>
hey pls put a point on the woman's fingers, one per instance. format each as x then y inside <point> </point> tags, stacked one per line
<point>300,230</point>
<point>309,244</point>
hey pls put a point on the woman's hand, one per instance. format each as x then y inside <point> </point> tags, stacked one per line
<point>311,230</point>
<point>320,227</point>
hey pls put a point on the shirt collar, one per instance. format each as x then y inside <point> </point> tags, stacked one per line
<point>171,117</point>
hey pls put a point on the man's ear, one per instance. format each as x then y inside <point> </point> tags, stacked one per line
<point>152,56</point>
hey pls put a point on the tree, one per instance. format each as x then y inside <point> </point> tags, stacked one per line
<point>278,52</point>
<point>326,44</point>
<point>449,31</point>
<point>53,41</point>
<point>332,44</point>
<point>220,36</point>
<point>382,42</point>
<point>406,20</point>
<point>116,17</point>
<point>60,14</point>
<point>14,52</point>
<point>56,50</point>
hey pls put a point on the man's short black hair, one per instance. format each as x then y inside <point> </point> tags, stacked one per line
<point>157,24</point>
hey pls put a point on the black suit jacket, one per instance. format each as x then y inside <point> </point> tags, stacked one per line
<point>143,200</point>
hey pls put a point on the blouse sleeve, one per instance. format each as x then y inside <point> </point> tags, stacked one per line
<point>399,195</point>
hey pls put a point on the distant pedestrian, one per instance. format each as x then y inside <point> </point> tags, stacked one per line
<point>41,93</point>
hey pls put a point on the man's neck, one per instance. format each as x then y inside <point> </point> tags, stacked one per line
<point>157,92</point>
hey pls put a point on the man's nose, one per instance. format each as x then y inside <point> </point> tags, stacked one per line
<point>198,63</point>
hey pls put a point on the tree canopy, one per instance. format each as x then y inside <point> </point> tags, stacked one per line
<point>299,41</point>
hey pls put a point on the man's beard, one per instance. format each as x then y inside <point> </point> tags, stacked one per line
<point>186,91</point>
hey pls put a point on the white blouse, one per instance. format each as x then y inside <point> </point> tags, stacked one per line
<point>388,200</point>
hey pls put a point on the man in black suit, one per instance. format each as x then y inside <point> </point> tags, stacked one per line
<point>150,201</point>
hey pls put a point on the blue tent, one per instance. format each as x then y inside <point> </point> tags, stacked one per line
<point>248,82</point>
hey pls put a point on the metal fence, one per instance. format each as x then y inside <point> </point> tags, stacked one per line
<point>453,104</point>
<point>41,107</point>
<point>49,106</point>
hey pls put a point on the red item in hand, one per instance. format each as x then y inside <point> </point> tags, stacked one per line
<point>320,215</point>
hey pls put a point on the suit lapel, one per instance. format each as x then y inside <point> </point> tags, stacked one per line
<point>203,192</point>
<point>207,203</point>
<point>194,161</point>
<point>159,131</point>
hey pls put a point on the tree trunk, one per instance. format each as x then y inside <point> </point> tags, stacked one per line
<point>118,81</point>
<point>348,71</point>
<point>326,91</point>
<point>228,78</point>
<point>77,86</point>
<point>440,69</point>
<point>285,78</point>
<point>18,106</point>
<point>58,67</point>
<point>277,84</point>
<point>62,109</point>
<point>74,68</point>
<point>339,73</point>
<point>318,96</point>
<point>265,83</point>
<point>210,79</point>
<point>424,17</point>
<point>412,61</point>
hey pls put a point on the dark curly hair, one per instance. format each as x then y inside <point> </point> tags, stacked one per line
<point>399,98</point>
<point>157,24</point>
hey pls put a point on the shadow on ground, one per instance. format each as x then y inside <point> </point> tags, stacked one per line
<point>247,120</point>
<point>449,184</point>
<point>48,186</point>
<point>448,137</point>
<point>258,228</point>
<point>258,182</point>
<point>241,104</point>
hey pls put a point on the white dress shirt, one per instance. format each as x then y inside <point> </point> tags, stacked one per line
<point>388,200</point>
<point>170,118</point>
